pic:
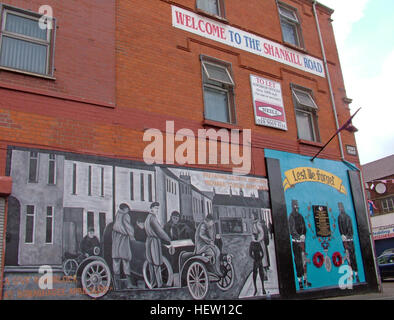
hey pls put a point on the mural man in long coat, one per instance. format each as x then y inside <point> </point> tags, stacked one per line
<point>346,231</point>
<point>260,229</point>
<point>298,232</point>
<point>155,235</point>
<point>122,234</point>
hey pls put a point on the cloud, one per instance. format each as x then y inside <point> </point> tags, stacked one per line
<point>375,121</point>
<point>375,138</point>
<point>346,13</point>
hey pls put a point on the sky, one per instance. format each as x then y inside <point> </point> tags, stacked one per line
<point>364,32</point>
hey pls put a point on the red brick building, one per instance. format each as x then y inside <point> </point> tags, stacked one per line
<point>379,178</point>
<point>76,101</point>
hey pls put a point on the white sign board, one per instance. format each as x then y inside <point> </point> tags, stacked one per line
<point>211,29</point>
<point>268,105</point>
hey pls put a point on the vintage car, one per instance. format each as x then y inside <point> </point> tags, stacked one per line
<point>182,267</point>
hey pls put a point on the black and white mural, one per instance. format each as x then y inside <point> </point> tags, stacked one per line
<point>117,229</point>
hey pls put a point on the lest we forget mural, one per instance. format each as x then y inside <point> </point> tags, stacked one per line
<point>322,222</point>
<point>113,229</point>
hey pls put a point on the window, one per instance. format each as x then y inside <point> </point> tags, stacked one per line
<point>29,228</point>
<point>131,186</point>
<point>74,185</point>
<point>306,114</point>
<point>52,169</point>
<point>102,182</point>
<point>89,180</point>
<point>90,220</point>
<point>33,167</point>
<point>142,187</point>
<point>387,204</point>
<point>213,7</point>
<point>49,225</point>
<point>23,44</point>
<point>218,86</point>
<point>150,188</point>
<point>290,23</point>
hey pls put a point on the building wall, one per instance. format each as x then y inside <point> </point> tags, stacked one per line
<point>2,221</point>
<point>39,194</point>
<point>181,73</point>
<point>377,197</point>
<point>84,116</point>
<point>132,70</point>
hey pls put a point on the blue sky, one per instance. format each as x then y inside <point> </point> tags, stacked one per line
<point>364,31</point>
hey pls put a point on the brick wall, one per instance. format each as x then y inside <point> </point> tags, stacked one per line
<point>158,77</point>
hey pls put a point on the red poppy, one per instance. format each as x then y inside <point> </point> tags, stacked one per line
<point>337,259</point>
<point>318,259</point>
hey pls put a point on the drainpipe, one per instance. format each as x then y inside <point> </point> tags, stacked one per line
<point>328,78</point>
<point>340,139</point>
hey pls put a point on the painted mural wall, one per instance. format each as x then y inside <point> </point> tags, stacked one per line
<point>118,229</point>
<point>322,222</point>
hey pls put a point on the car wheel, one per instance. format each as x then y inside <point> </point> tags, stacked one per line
<point>96,279</point>
<point>197,280</point>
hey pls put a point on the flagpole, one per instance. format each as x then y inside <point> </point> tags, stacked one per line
<point>324,146</point>
<point>336,133</point>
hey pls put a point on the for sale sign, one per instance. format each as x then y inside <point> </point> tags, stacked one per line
<point>268,105</point>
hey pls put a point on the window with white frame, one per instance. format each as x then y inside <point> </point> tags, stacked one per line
<point>387,204</point>
<point>306,114</point>
<point>213,7</point>
<point>218,86</point>
<point>291,26</point>
<point>33,167</point>
<point>52,169</point>
<point>29,224</point>
<point>24,45</point>
<point>49,225</point>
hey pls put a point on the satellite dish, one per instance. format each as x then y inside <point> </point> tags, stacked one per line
<point>380,188</point>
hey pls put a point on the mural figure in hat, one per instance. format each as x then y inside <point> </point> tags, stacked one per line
<point>346,231</point>
<point>122,234</point>
<point>298,233</point>
<point>205,241</point>
<point>89,243</point>
<point>155,236</point>
<point>256,252</point>
<point>260,229</point>
<point>172,226</point>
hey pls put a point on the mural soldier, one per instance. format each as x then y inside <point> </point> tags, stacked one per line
<point>122,234</point>
<point>256,252</point>
<point>346,231</point>
<point>298,231</point>
<point>89,243</point>
<point>205,241</point>
<point>155,235</point>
